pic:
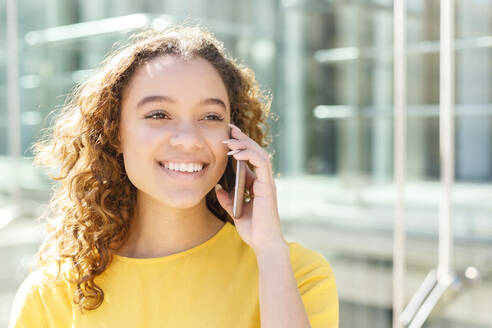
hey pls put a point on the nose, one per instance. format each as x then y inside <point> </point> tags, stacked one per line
<point>186,136</point>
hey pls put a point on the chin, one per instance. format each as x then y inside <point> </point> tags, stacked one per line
<point>183,202</point>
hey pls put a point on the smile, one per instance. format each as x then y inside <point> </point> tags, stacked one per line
<point>187,173</point>
<point>183,167</point>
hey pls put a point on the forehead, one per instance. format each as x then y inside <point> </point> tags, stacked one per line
<point>173,75</point>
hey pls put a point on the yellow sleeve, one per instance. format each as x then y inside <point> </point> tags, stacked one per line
<point>317,286</point>
<point>27,308</point>
<point>41,302</point>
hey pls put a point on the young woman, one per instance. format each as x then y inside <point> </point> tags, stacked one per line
<point>137,234</point>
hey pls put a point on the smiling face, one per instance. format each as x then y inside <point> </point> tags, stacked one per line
<point>175,112</point>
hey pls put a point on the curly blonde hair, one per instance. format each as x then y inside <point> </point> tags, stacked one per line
<point>90,211</point>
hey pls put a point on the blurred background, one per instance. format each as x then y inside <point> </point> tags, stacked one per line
<point>329,64</point>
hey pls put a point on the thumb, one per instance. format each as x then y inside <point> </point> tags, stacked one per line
<point>224,199</point>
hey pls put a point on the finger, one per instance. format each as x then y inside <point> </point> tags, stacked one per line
<point>235,144</point>
<point>262,166</point>
<point>244,143</point>
<point>237,133</point>
<point>224,198</point>
<point>226,201</point>
<point>250,178</point>
<point>242,137</point>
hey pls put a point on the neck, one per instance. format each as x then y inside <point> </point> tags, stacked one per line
<point>158,231</point>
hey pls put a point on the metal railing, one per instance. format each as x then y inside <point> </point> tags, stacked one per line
<point>443,283</point>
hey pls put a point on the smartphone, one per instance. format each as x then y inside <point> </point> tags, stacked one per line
<point>240,180</point>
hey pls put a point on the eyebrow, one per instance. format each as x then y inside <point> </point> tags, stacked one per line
<point>160,98</point>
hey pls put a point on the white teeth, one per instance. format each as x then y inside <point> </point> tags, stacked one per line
<point>183,167</point>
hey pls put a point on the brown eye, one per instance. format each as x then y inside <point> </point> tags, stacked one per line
<point>156,115</point>
<point>214,117</point>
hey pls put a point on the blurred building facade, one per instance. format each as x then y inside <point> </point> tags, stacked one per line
<point>329,65</point>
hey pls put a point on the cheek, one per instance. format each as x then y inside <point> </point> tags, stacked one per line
<point>138,147</point>
<point>139,138</point>
<point>220,148</point>
<point>223,133</point>
<point>214,135</point>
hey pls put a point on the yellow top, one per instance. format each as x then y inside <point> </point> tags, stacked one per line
<point>214,284</point>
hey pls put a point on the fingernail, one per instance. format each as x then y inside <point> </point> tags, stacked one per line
<point>218,187</point>
<point>226,141</point>
<point>233,126</point>
<point>232,152</point>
